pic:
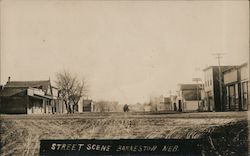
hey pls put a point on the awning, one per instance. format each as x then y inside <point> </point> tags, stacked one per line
<point>42,97</point>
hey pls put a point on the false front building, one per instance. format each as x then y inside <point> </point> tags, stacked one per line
<point>27,97</point>
<point>189,97</point>
<point>236,88</point>
<point>212,88</point>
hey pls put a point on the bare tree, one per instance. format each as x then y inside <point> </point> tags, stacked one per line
<point>71,89</point>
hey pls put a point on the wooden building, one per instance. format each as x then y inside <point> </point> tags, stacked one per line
<point>212,88</point>
<point>236,88</point>
<point>87,105</point>
<point>164,104</point>
<point>244,86</point>
<point>231,89</point>
<point>58,105</point>
<point>27,97</point>
<point>189,96</point>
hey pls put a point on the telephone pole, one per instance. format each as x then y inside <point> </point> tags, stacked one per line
<point>197,80</point>
<point>219,56</point>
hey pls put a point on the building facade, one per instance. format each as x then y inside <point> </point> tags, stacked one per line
<point>164,104</point>
<point>27,97</point>
<point>212,88</point>
<point>57,103</point>
<point>189,97</point>
<point>236,88</point>
<point>231,89</point>
<point>160,103</point>
<point>87,105</point>
<point>244,85</point>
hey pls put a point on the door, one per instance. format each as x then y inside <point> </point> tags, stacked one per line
<point>211,103</point>
<point>179,103</point>
<point>244,96</point>
<point>232,98</point>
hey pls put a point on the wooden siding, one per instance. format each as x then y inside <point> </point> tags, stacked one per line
<point>13,105</point>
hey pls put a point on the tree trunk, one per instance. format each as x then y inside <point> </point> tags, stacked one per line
<point>67,107</point>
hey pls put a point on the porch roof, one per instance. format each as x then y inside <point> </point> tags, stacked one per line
<point>42,96</point>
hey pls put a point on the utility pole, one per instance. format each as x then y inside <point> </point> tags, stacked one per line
<point>197,80</point>
<point>219,56</point>
<point>170,97</point>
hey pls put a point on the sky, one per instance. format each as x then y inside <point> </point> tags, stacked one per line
<point>126,50</point>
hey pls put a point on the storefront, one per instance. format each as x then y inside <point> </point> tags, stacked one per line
<point>244,95</point>
<point>232,90</point>
<point>232,97</point>
<point>236,85</point>
<point>244,85</point>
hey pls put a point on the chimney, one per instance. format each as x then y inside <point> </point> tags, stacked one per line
<point>8,79</point>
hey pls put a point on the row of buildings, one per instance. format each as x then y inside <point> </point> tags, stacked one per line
<point>225,88</point>
<point>40,97</point>
<point>34,97</point>
<point>234,92</point>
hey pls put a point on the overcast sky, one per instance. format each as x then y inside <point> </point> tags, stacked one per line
<point>126,50</point>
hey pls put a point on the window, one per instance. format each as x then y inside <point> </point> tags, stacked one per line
<point>244,95</point>
<point>232,97</point>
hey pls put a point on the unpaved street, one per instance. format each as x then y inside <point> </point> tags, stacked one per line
<point>20,134</point>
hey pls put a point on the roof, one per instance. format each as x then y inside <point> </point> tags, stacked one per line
<point>230,68</point>
<point>26,84</point>
<point>242,65</point>
<point>42,96</point>
<point>235,67</point>
<point>7,92</point>
<point>189,86</point>
<point>222,67</point>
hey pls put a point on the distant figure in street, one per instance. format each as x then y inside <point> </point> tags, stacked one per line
<point>125,108</point>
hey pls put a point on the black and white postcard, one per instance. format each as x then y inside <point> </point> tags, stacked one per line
<point>106,77</point>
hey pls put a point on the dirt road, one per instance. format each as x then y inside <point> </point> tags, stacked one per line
<point>20,134</point>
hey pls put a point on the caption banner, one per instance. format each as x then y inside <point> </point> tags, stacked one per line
<point>121,147</point>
